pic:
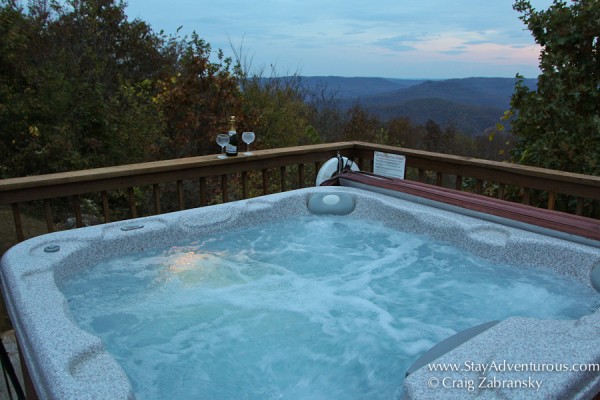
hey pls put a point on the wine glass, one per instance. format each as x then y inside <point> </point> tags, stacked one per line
<point>248,137</point>
<point>222,140</point>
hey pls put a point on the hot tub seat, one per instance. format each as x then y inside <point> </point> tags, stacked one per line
<point>449,344</point>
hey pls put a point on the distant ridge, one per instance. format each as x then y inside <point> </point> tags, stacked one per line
<point>476,91</point>
<point>470,104</point>
<point>354,88</point>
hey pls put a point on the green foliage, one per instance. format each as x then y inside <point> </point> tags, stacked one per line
<point>276,111</point>
<point>196,100</point>
<point>81,87</point>
<point>66,97</point>
<point>311,135</point>
<point>558,125</point>
<point>360,125</point>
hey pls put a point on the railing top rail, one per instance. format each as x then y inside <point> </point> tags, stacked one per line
<point>63,184</point>
<point>478,163</point>
<point>162,166</point>
<point>123,176</point>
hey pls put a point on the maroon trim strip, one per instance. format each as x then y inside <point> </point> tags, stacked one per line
<point>560,221</point>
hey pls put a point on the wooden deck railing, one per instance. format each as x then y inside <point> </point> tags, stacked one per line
<point>292,167</point>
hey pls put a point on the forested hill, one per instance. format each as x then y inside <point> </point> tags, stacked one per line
<point>353,88</point>
<point>471,104</point>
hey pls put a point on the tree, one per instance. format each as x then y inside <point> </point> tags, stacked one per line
<point>76,83</point>
<point>558,125</point>
<point>81,86</point>
<point>196,99</point>
<point>275,109</point>
<point>360,125</point>
<point>438,140</point>
<point>402,133</point>
<point>326,117</point>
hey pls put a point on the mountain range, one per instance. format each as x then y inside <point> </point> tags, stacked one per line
<point>470,104</point>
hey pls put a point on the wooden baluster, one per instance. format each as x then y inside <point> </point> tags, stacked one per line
<point>202,182</point>
<point>282,173</point>
<point>501,190</point>
<point>579,207</point>
<point>224,190</point>
<point>132,205</point>
<point>317,168</point>
<point>439,177</point>
<point>77,209</point>
<point>156,193</point>
<point>421,175</point>
<point>360,163</point>
<point>265,179</point>
<point>30,393</point>
<point>105,209</point>
<point>479,186</point>
<point>180,195</point>
<point>526,196</point>
<point>18,222</point>
<point>301,175</point>
<point>458,183</point>
<point>551,200</point>
<point>48,215</point>
<point>245,184</point>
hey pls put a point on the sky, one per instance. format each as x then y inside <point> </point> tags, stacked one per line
<point>416,39</point>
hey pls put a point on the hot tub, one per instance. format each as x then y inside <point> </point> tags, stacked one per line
<point>518,356</point>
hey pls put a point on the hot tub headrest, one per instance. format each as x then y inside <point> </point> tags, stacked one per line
<point>595,278</point>
<point>331,203</point>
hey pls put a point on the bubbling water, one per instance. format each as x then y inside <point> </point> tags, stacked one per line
<point>307,308</point>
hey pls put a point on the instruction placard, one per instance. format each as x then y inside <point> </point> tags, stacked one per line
<point>390,165</point>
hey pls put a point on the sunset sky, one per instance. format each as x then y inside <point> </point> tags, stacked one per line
<point>377,38</point>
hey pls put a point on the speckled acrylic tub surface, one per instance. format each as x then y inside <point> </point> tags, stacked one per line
<point>68,363</point>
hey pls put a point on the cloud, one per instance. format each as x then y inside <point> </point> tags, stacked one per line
<point>476,42</point>
<point>376,35</point>
<point>453,52</point>
<point>399,43</point>
<point>456,50</point>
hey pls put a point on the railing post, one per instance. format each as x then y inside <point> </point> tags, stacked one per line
<point>300,175</point>
<point>458,183</point>
<point>48,215</point>
<point>361,163</point>
<point>551,200</point>
<point>180,195</point>
<point>156,196</point>
<point>439,179</point>
<point>244,184</point>
<point>265,179</point>
<point>105,209</point>
<point>479,186</point>
<point>282,172</point>
<point>526,196</point>
<point>77,209</point>
<point>30,393</point>
<point>224,190</point>
<point>501,190</point>
<point>18,222</point>
<point>202,184</point>
<point>579,207</point>
<point>132,205</point>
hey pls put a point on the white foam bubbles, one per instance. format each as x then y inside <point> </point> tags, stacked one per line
<point>313,307</point>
